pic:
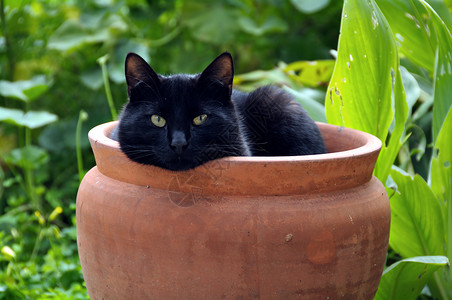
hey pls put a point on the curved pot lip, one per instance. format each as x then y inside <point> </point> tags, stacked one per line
<point>370,143</point>
<point>269,175</point>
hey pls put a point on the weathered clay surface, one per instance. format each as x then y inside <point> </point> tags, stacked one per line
<point>309,227</point>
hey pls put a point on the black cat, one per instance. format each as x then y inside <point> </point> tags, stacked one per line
<point>181,121</point>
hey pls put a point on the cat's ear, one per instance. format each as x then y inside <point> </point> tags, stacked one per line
<point>138,70</point>
<point>221,70</point>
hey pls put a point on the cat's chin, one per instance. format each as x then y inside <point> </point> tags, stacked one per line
<point>180,165</point>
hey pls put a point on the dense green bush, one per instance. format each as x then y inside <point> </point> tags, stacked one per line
<point>61,61</point>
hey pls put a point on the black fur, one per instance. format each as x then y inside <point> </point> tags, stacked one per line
<point>266,122</point>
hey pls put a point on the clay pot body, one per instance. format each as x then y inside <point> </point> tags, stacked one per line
<point>309,227</point>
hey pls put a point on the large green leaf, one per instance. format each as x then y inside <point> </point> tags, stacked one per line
<point>73,33</point>
<point>213,24</point>
<point>30,119</point>
<point>441,175</point>
<point>389,152</point>
<point>271,24</point>
<point>411,31</point>
<point>309,6</point>
<point>359,93</point>
<point>425,39</point>
<point>29,158</point>
<point>441,168</point>
<point>416,217</point>
<point>405,279</point>
<point>25,90</point>
<point>366,81</point>
<point>443,72</point>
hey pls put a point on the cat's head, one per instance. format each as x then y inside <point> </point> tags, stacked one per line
<point>181,121</point>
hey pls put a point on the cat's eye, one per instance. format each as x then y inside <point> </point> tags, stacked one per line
<point>199,119</point>
<point>158,121</point>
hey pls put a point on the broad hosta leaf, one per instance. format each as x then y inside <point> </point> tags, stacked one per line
<point>416,218</point>
<point>441,177</point>
<point>411,31</point>
<point>443,72</point>
<point>213,25</point>
<point>411,87</point>
<point>426,40</point>
<point>309,6</point>
<point>29,158</point>
<point>389,152</point>
<point>405,279</point>
<point>92,78</point>
<point>25,90</point>
<point>31,119</point>
<point>441,168</point>
<point>271,24</point>
<point>359,93</point>
<point>72,34</point>
<point>366,81</point>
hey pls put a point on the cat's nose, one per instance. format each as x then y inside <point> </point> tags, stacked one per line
<point>179,142</point>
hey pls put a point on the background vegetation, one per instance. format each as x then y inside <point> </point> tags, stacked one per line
<point>60,61</point>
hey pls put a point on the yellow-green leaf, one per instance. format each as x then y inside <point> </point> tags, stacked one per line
<point>405,279</point>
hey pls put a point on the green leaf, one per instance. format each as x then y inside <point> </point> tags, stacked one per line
<point>92,78</point>
<point>443,72</point>
<point>271,24</point>
<point>31,119</point>
<point>213,25</point>
<point>312,107</point>
<point>29,158</point>
<point>411,30</point>
<point>72,34</point>
<point>416,218</point>
<point>11,115</point>
<point>389,151</point>
<point>411,87</point>
<point>312,73</point>
<point>441,168</point>
<point>426,40</point>
<point>310,6</point>
<point>405,279</point>
<point>366,81</point>
<point>441,176</point>
<point>359,93</point>
<point>25,90</point>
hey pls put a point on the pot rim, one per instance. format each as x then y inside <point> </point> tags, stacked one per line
<point>295,173</point>
<point>100,135</point>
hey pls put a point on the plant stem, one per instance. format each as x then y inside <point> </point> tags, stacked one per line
<point>37,245</point>
<point>103,64</point>
<point>29,178</point>
<point>81,118</point>
<point>9,52</point>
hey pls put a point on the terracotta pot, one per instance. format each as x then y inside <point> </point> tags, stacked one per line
<point>310,227</point>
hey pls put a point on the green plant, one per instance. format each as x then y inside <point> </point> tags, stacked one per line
<point>367,92</point>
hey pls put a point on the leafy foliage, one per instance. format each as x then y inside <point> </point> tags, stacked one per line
<point>61,68</point>
<point>420,212</point>
<point>61,60</point>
